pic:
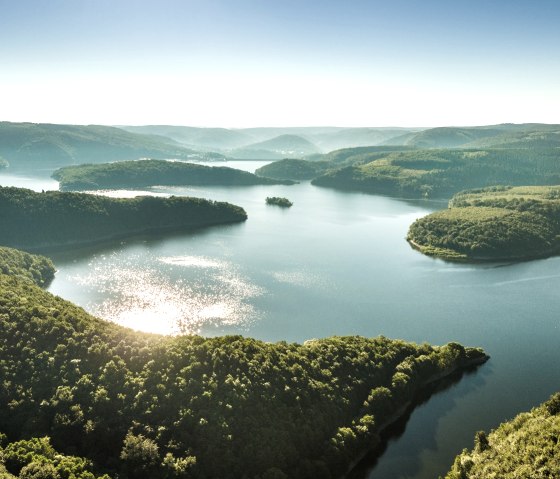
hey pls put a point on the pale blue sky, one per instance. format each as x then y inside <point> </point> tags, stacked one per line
<point>287,63</point>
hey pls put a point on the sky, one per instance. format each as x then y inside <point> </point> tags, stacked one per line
<point>252,63</point>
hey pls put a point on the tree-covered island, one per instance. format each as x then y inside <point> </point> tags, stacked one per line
<point>279,201</point>
<point>86,397</point>
<point>146,173</point>
<point>33,220</point>
<point>492,224</point>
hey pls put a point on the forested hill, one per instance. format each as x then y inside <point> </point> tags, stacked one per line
<point>441,173</point>
<point>144,173</point>
<point>33,220</point>
<point>142,405</point>
<point>497,223</point>
<point>525,447</point>
<point>39,146</point>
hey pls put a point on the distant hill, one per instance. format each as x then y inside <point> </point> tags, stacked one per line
<point>530,135</point>
<point>46,146</point>
<point>198,138</point>
<point>353,137</point>
<point>292,146</point>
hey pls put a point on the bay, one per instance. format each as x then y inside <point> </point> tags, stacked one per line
<point>337,263</point>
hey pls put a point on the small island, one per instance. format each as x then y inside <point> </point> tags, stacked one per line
<point>279,201</point>
<point>492,224</point>
<point>146,173</point>
<point>526,446</point>
<point>34,221</point>
<point>137,405</point>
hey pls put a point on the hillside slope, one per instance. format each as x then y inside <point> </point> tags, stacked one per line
<point>39,146</point>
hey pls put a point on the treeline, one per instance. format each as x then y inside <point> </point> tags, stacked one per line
<point>38,220</point>
<point>144,173</point>
<point>525,447</point>
<point>141,405</point>
<point>491,224</point>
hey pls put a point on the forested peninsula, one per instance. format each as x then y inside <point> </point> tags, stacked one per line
<point>525,447</point>
<point>423,173</point>
<point>491,224</point>
<point>33,220</point>
<point>142,405</point>
<point>145,173</point>
<point>443,172</point>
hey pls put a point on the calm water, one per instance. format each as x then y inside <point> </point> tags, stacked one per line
<point>337,263</point>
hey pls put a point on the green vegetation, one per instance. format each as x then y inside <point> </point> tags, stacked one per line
<point>39,220</point>
<point>294,169</point>
<point>278,201</point>
<point>495,223</point>
<point>144,173</point>
<point>37,459</point>
<point>525,447</point>
<point>40,145</point>
<point>441,173</point>
<point>38,269</point>
<point>142,405</point>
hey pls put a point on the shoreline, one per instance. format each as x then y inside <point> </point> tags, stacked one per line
<point>463,258</point>
<point>54,247</point>
<point>399,413</point>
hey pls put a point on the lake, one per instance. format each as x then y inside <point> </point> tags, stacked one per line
<point>337,263</point>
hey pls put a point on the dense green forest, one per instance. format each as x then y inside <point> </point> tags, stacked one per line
<point>157,406</point>
<point>37,220</point>
<point>144,173</point>
<point>441,173</point>
<point>39,146</point>
<point>37,268</point>
<point>290,168</point>
<point>278,201</point>
<point>493,223</point>
<point>525,447</point>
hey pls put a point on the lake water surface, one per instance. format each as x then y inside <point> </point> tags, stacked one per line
<point>338,264</point>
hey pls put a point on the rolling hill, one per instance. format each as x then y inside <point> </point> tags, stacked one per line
<point>40,146</point>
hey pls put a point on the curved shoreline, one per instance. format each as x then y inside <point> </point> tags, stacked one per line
<point>463,258</point>
<point>399,413</point>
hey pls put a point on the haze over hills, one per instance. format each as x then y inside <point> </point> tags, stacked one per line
<point>43,146</point>
<point>252,143</point>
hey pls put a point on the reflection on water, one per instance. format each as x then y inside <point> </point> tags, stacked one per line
<point>164,300</point>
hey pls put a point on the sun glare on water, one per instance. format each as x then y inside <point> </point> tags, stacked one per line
<point>186,295</point>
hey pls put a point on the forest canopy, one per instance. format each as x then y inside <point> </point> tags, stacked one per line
<point>497,223</point>
<point>144,173</point>
<point>525,447</point>
<point>142,405</point>
<point>53,218</point>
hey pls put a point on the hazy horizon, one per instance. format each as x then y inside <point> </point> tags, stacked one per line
<point>248,64</point>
